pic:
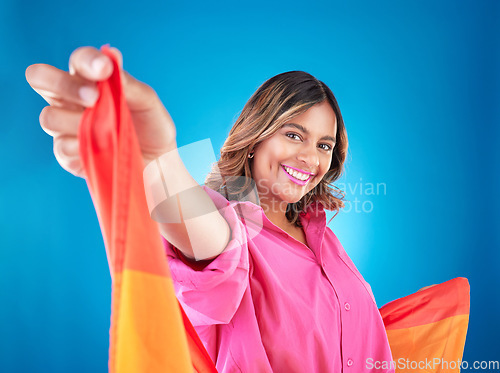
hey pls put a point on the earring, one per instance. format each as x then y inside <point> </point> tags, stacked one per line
<point>250,155</point>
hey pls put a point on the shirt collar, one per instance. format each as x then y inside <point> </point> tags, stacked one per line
<point>314,215</point>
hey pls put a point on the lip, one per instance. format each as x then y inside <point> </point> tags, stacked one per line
<point>297,181</point>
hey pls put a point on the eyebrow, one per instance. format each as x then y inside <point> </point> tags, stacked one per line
<point>306,131</point>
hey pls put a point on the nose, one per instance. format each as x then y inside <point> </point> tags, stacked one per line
<point>308,156</point>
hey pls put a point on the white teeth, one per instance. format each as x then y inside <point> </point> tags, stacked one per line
<point>296,174</point>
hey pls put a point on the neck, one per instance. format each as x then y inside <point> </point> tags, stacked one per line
<point>276,212</point>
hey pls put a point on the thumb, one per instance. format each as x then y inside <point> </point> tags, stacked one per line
<point>139,95</point>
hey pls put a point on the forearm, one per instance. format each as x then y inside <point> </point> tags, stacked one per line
<point>186,214</point>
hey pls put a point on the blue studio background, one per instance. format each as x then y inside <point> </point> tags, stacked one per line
<point>418,86</point>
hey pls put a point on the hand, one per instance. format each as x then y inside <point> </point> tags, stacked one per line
<point>69,93</point>
<point>426,287</point>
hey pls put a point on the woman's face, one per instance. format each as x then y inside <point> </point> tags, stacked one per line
<point>293,161</point>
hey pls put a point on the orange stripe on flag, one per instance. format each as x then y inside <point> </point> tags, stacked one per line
<point>443,344</point>
<point>147,326</point>
<point>427,329</point>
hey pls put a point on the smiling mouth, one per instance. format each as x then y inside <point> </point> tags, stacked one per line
<point>296,176</point>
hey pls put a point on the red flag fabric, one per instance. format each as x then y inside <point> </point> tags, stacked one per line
<point>149,330</point>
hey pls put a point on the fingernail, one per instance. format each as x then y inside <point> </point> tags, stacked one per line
<point>98,64</point>
<point>88,95</point>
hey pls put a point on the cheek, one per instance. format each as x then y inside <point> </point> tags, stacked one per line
<point>269,158</point>
<point>260,172</point>
<point>325,167</point>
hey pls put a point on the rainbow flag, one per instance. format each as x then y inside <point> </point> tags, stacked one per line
<point>427,329</point>
<point>149,330</point>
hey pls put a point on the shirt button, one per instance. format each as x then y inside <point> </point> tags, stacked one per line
<point>347,306</point>
<point>350,362</point>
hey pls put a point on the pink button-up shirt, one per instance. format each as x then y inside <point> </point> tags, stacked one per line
<point>269,303</point>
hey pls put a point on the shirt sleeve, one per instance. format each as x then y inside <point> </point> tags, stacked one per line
<point>210,291</point>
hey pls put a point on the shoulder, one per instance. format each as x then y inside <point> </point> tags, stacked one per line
<point>218,199</point>
<point>223,200</point>
<point>337,247</point>
<point>334,244</point>
<point>244,216</point>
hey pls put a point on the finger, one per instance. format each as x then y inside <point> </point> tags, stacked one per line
<point>57,102</point>
<point>66,151</point>
<point>57,84</point>
<point>425,287</point>
<point>59,121</point>
<point>90,63</point>
<point>118,56</point>
<point>66,146</point>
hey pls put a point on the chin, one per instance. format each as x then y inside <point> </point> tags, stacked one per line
<point>292,198</point>
<point>296,196</point>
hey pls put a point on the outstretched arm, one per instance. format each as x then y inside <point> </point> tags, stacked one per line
<point>69,93</point>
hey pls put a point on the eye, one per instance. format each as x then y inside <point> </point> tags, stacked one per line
<point>291,135</point>
<point>326,147</point>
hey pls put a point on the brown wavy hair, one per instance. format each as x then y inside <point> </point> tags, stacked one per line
<point>275,102</point>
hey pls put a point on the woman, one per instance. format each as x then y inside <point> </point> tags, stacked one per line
<point>272,289</point>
